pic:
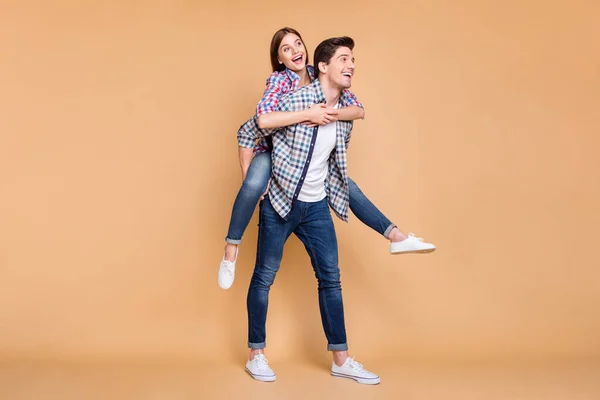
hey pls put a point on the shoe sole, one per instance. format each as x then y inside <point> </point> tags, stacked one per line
<point>222,286</point>
<point>261,378</point>
<point>364,381</point>
<point>413,252</point>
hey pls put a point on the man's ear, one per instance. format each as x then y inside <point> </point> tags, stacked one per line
<point>322,67</point>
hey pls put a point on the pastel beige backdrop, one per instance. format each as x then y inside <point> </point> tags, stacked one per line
<point>118,168</point>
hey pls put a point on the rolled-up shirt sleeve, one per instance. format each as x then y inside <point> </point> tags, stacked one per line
<point>271,96</point>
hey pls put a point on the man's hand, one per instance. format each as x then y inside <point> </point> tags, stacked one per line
<point>320,114</point>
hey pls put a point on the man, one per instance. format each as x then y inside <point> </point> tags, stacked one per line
<point>309,175</point>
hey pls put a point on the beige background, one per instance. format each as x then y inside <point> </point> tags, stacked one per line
<point>118,168</point>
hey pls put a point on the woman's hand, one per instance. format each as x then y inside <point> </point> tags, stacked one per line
<point>266,190</point>
<point>320,114</point>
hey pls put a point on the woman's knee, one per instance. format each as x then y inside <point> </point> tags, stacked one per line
<point>259,173</point>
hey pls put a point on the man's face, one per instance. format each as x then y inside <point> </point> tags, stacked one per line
<point>340,69</point>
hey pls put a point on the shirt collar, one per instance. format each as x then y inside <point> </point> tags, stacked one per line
<point>318,90</point>
<point>316,86</point>
<point>295,78</point>
<point>343,101</point>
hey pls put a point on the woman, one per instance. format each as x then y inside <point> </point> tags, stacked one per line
<point>291,71</point>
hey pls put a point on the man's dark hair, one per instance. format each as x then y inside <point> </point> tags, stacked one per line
<point>327,48</point>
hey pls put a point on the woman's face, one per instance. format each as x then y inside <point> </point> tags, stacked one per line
<point>292,52</point>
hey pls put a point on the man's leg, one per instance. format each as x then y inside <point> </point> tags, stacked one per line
<point>272,234</point>
<point>317,232</point>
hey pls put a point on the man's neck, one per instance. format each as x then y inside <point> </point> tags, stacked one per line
<point>332,94</point>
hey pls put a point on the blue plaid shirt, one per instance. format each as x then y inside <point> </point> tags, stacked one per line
<point>279,84</point>
<point>292,152</point>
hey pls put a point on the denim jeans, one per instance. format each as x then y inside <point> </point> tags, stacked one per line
<point>255,185</point>
<point>312,224</point>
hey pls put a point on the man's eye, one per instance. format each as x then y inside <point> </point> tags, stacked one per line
<point>286,49</point>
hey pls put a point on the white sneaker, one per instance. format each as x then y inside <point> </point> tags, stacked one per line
<point>411,244</point>
<point>354,370</point>
<point>227,272</point>
<point>259,369</point>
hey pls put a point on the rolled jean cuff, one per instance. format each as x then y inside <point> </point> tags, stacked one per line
<point>337,347</point>
<point>389,229</point>
<point>256,346</point>
<point>233,241</point>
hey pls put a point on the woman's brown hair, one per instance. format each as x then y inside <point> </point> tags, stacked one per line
<point>276,42</point>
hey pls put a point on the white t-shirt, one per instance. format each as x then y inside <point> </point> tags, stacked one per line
<point>313,188</point>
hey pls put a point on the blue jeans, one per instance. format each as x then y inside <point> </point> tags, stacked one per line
<point>255,185</point>
<point>312,224</point>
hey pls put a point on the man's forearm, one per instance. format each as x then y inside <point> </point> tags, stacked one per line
<point>245,160</point>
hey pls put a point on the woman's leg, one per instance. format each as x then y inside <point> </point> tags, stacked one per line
<point>247,198</point>
<point>370,215</point>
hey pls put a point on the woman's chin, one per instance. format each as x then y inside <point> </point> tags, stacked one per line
<point>296,68</point>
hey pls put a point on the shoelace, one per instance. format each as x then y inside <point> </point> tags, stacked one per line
<point>261,362</point>
<point>227,267</point>
<point>355,365</point>
<point>412,235</point>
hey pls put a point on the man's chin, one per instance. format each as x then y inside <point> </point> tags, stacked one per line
<point>343,84</point>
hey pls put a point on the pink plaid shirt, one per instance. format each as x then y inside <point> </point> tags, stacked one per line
<point>278,84</point>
